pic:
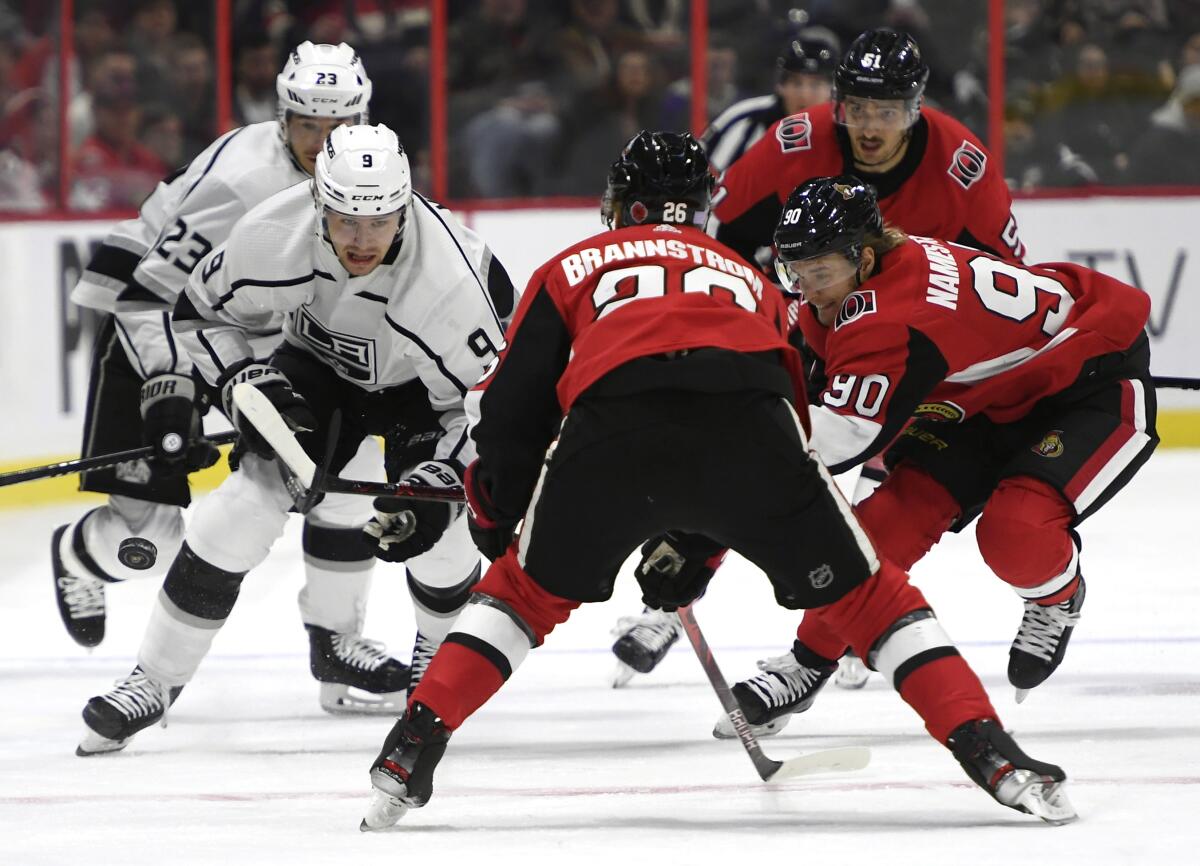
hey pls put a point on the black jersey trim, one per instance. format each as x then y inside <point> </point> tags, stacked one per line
<point>969,240</point>
<point>432,355</point>
<point>294,281</point>
<point>114,262</point>
<point>500,287</point>
<point>212,162</point>
<point>208,347</point>
<point>370,297</point>
<point>128,341</point>
<point>461,252</point>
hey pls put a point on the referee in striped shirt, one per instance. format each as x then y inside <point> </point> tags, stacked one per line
<point>805,78</point>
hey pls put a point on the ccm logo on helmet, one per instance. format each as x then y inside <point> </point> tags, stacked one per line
<point>967,164</point>
<point>366,198</point>
<point>794,133</point>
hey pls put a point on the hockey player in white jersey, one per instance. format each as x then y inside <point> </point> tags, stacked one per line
<point>140,372</point>
<point>390,311</point>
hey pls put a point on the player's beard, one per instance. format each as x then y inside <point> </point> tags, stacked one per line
<point>900,145</point>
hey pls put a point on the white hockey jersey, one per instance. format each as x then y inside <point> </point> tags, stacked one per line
<point>144,263</point>
<point>429,311</point>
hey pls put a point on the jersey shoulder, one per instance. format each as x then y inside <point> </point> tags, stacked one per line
<point>252,163</point>
<point>808,134</point>
<point>957,151</point>
<point>276,232</point>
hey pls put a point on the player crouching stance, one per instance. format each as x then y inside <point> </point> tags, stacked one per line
<point>388,311</point>
<point>1033,401</point>
<point>648,386</point>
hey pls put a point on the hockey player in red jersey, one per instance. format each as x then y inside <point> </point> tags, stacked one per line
<point>933,178</point>
<point>1033,406</point>
<point>640,363</point>
<point>932,175</point>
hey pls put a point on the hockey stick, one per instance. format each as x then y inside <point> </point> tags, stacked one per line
<point>267,421</point>
<point>86,464</point>
<point>1177,382</point>
<point>828,761</point>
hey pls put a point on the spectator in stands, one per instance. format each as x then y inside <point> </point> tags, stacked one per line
<point>192,85</point>
<point>151,36</point>
<point>722,89</point>
<point>603,121</point>
<point>257,64</point>
<point>593,36</point>
<point>113,169</point>
<point>1166,153</point>
<point>113,74</point>
<point>521,133</point>
<point>164,133</point>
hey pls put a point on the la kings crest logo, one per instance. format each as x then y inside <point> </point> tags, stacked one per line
<point>350,354</point>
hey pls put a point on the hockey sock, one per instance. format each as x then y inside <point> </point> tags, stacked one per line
<point>437,607</point>
<point>192,606</point>
<point>338,566</point>
<point>818,638</point>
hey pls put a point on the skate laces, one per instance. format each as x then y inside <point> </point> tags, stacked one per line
<point>1042,627</point>
<point>783,680</point>
<point>84,596</point>
<point>140,695</point>
<point>423,652</point>
<point>366,655</point>
<point>653,629</point>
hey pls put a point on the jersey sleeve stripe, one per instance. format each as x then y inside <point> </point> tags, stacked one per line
<point>432,355</point>
<point>208,347</point>
<point>130,346</point>
<point>294,281</point>
<point>466,259</point>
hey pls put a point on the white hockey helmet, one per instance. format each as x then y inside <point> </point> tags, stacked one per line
<point>362,170</point>
<point>323,81</point>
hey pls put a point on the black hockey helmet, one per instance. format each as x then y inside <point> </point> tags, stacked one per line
<point>826,215</point>
<point>809,56</point>
<point>660,177</point>
<point>882,64</point>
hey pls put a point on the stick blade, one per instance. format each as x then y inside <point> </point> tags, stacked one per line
<point>266,419</point>
<point>828,761</point>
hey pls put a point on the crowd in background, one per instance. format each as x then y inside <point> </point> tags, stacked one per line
<point>542,93</point>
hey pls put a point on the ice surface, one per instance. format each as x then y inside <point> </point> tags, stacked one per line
<point>560,769</point>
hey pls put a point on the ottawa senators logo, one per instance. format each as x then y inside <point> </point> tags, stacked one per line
<point>941,411</point>
<point>855,306</point>
<point>1051,445</point>
<point>794,133</point>
<point>967,164</point>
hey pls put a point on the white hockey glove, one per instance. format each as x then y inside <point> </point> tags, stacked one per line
<point>404,528</point>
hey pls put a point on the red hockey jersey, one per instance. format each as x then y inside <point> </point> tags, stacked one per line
<point>946,186</point>
<point>949,331</point>
<point>613,298</point>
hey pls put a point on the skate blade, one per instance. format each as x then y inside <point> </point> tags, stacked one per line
<point>622,674</point>
<point>1049,802</point>
<point>340,700</point>
<point>1022,694</point>
<point>94,744</point>
<point>723,729</point>
<point>383,813</point>
<point>828,761</point>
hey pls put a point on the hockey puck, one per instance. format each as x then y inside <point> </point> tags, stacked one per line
<point>137,553</point>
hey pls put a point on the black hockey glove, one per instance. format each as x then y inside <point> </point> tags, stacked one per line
<point>492,534</point>
<point>676,568</point>
<point>171,425</point>
<point>275,387</point>
<point>404,528</point>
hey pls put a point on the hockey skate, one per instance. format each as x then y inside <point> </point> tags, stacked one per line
<point>996,763</point>
<point>1041,641</point>
<point>112,719</point>
<point>80,599</point>
<point>402,775</point>
<point>851,672</point>
<point>788,684</point>
<point>341,662</point>
<point>642,642</point>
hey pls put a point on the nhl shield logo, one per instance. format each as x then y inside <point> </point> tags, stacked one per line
<point>821,576</point>
<point>1051,445</point>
